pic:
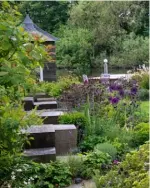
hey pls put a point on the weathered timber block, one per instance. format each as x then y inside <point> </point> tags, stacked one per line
<point>44,136</point>
<point>28,103</point>
<point>45,99</point>
<point>50,117</point>
<point>49,72</point>
<point>44,155</point>
<point>45,105</point>
<point>65,139</point>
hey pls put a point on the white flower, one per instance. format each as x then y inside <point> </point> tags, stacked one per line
<point>25,182</point>
<point>9,186</point>
<point>13,173</point>
<point>13,177</point>
<point>19,170</point>
<point>31,178</point>
<point>13,38</point>
<point>29,181</point>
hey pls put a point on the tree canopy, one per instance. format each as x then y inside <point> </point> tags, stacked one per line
<point>91,31</point>
<point>48,15</point>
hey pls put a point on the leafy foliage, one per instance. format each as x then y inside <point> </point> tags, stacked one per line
<point>122,148</point>
<point>18,56</point>
<point>13,120</point>
<point>132,172</point>
<point>76,118</point>
<point>74,50</point>
<point>55,89</point>
<point>143,94</point>
<point>141,134</point>
<point>90,142</point>
<point>133,51</point>
<point>142,76</point>
<point>47,15</point>
<point>76,165</point>
<point>96,160</point>
<point>121,37</point>
<point>30,174</point>
<point>18,59</point>
<point>107,148</point>
<point>88,33</point>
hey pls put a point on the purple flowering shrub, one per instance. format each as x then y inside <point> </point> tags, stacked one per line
<point>118,100</point>
<point>123,96</point>
<point>76,96</point>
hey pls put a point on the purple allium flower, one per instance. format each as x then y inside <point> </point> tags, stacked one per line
<point>121,93</point>
<point>112,87</point>
<point>114,100</point>
<point>118,87</point>
<point>134,90</point>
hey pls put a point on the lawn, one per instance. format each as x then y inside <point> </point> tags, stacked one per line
<point>145,106</point>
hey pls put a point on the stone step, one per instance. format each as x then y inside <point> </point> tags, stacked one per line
<point>45,105</point>
<point>44,136</point>
<point>50,117</point>
<point>44,155</point>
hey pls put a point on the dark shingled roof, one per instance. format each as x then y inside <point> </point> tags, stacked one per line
<point>32,28</point>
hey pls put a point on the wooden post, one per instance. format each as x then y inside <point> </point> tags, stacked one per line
<point>41,74</point>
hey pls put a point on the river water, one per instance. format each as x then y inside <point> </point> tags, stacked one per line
<point>94,72</point>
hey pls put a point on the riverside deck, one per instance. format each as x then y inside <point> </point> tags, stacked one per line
<point>112,77</point>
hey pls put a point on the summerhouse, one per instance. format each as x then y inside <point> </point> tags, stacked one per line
<point>48,73</point>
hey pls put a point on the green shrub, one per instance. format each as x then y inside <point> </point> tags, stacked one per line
<point>61,175</point>
<point>141,134</point>
<point>107,148</point>
<point>92,161</point>
<point>132,172</point>
<point>13,119</point>
<point>144,83</point>
<point>55,89</point>
<point>95,159</point>
<point>76,118</point>
<point>122,148</point>
<point>143,94</point>
<point>30,174</point>
<point>76,165</point>
<point>90,141</point>
<point>112,131</point>
<point>142,76</point>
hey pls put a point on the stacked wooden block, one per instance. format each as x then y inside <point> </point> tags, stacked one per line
<point>50,139</point>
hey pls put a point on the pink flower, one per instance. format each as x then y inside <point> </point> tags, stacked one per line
<point>86,82</point>
<point>116,162</point>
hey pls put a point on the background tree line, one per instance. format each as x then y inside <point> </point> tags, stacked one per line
<point>92,31</point>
